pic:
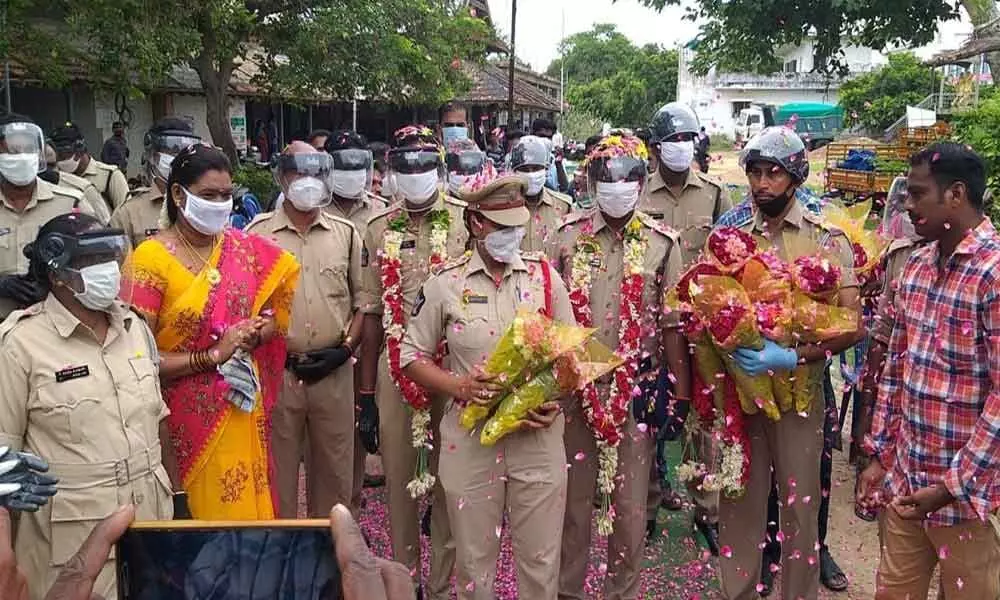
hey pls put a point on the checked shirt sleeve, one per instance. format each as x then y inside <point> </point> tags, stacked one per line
<point>886,417</point>
<point>973,469</point>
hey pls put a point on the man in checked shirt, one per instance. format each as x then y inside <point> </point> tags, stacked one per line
<point>935,436</point>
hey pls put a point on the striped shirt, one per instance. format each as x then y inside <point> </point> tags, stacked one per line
<point>937,419</point>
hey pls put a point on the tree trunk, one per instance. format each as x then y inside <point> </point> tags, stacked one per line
<point>982,12</point>
<point>214,71</point>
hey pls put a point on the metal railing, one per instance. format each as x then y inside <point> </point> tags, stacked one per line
<point>775,81</point>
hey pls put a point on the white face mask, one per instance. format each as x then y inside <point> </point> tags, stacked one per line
<point>677,156</point>
<point>101,284</point>
<point>163,164</point>
<point>207,217</point>
<point>536,181</point>
<point>308,193</point>
<point>504,244</point>
<point>19,169</point>
<point>69,165</point>
<point>456,182</point>
<point>349,184</point>
<point>417,189</point>
<point>617,199</point>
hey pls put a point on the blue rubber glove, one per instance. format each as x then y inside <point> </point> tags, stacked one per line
<point>772,358</point>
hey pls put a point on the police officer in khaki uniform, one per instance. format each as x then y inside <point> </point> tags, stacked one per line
<point>530,157</point>
<point>73,157</point>
<point>140,215</point>
<point>26,203</point>
<point>79,384</point>
<point>426,217</point>
<point>351,181</point>
<point>617,179</point>
<point>318,393</point>
<point>91,196</point>
<point>776,164</point>
<point>688,202</point>
<point>470,303</point>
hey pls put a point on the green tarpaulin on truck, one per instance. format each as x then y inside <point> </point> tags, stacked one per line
<point>804,110</point>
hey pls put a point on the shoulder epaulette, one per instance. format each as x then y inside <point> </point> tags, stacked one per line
<point>561,197</point>
<point>338,219</point>
<point>534,256</point>
<point>575,216</point>
<point>15,318</point>
<point>67,190</point>
<point>260,218</point>
<point>708,179</point>
<point>455,201</point>
<point>385,212</point>
<point>105,166</point>
<point>378,202</point>
<point>451,263</point>
<point>899,244</point>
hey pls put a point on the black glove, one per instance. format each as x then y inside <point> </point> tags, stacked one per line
<point>368,422</point>
<point>318,364</point>
<point>181,509</point>
<point>24,485</point>
<point>20,289</point>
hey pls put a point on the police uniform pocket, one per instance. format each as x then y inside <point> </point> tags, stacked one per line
<point>75,513</point>
<point>64,415</point>
<point>472,330</point>
<point>693,238</point>
<point>146,381</point>
<point>335,282</point>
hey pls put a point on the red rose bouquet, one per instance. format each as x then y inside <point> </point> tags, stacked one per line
<point>729,248</point>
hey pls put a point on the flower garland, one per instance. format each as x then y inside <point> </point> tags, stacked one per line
<point>606,419</point>
<point>393,320</point>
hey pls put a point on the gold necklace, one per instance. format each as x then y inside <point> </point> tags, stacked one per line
<point>212,274</point>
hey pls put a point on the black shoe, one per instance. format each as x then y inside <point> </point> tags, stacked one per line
<point>709,531</point>
<point>374,481</point>
<point>766,580</point>
<point>830,574</point>
<point>420,592</point>
<point>425,522</point>
<point>650,530</point>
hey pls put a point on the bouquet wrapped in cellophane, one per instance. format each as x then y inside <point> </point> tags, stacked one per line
<point>568,373</point>
<point>723,305</point>
<point>867,244</point>
<point>530,343</point>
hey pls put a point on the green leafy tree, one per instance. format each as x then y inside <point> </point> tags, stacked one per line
<point>877,99</point>
<point>610,78</point>
<point>400,51</point>
<point>978,128</point>
<point>742,35</point>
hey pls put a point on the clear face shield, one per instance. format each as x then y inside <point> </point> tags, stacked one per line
<point>22,153</point>
<point>896,224</point>
<point>352,173</point>
<point>416,172</point>
<point>463,167</point>
<point>160,150</point>
<point>72,259</point>
<point>622,171</point>
<point>530,151</point>
<point>305,178</point>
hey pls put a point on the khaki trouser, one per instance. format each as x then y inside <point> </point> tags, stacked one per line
<point>626,543</point>
<point>399,461</point>
<point>320,416</point>
<point>970,563</point>
<point>524,474</point>
<point>793,446</point>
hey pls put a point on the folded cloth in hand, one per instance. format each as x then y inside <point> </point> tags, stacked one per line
<point>239,373</point>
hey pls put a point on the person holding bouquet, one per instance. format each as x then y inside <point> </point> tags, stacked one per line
<point>469,304</point>
<point>776,165</point>
<point>618,263</point>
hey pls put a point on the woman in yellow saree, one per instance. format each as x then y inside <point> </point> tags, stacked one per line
<point>218,301</point>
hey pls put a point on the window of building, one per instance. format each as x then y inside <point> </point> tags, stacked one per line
<point>792,66</point>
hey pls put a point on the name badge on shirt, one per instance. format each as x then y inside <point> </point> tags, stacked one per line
<point>418,303</point>
<point>364,256</point>
<point>477,299</point>
<point>5,230</point>
<point>595,261</point>
<point>71,373</point>
<point>656,215</point>
<point>151,232</point>
<point>408,244</point>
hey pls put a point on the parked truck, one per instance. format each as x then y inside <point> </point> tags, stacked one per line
<point>816,123</point>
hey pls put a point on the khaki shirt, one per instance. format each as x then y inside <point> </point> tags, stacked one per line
<point>18,229</point>
<point>546,217</point>
<point>108,180</point>
<point>465,306</point>
<point>90,194</point>
<point>415,255</point>
<point>662,269</point>
<point>801,221</point>
<point>691,214</point>
<point>897,254</point>
<point>139,217</point>
<point>329,280</point>
<point>360,213</point>
<point>93,411</point>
